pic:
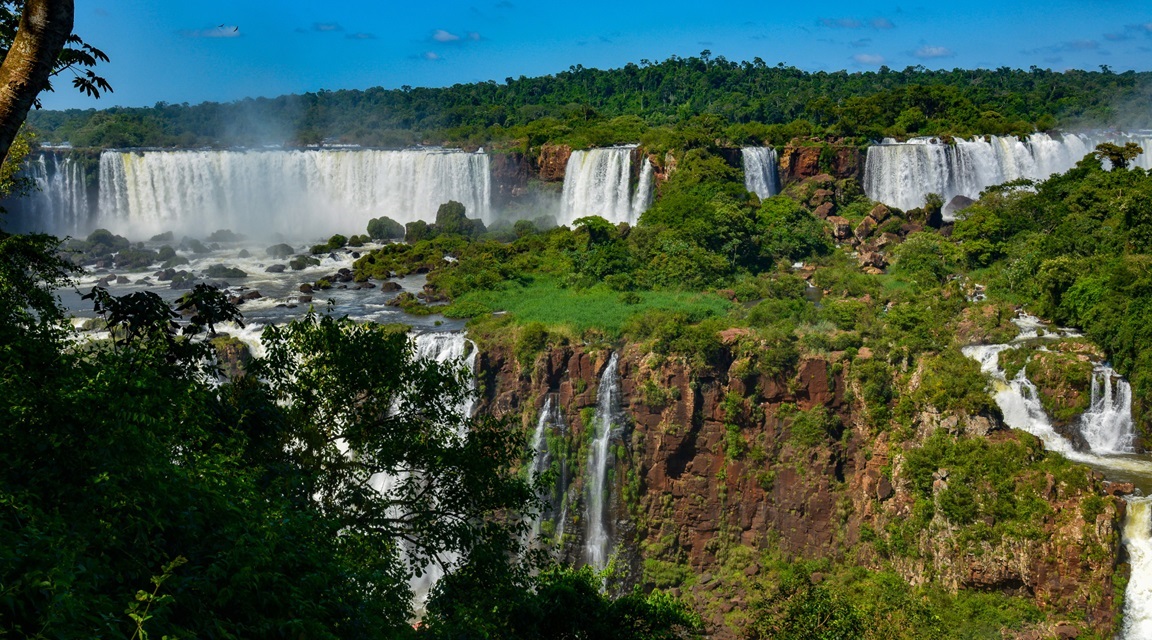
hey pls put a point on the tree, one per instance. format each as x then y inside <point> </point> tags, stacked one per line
<point>1119,156</point>
<point>45,27</point>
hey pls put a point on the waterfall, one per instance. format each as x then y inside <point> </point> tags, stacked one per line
<point>901,174</point>
<point>1107,424</point>
<point>443,348</point>
<point>606,421</point>
<point>550,420</point>
<point>305,193</point>
<point>760,175</point>
<point>1107,428</point>
<point>59,202</point>
<point>597,183</point>
<point>643,198</point>
<point>1137,537</point>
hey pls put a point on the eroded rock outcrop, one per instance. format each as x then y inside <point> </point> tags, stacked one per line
<point>716,460</point>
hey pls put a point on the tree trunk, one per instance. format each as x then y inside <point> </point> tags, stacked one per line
<point>44,29</point>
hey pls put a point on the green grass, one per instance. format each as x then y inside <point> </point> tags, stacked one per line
<point>543,300</point>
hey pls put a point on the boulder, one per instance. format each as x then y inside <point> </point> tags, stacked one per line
<point>390,287</point>
<point>276,268</point>
<point>873,259</point>
<point>841,228</point>
<point>865,228</point>
<point>880,213</point>
<point>824,210</point>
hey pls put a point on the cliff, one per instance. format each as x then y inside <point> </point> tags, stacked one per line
<point>718,467</point>
<point>804,159</point>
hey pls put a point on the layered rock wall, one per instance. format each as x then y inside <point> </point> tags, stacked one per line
<point>708,462</point>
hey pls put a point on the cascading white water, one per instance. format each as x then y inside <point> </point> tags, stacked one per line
<point>901,174</point>
<point>605,422</point>
<point>443,348</point>
<point>597,183</point>
<point>643,197</point>
<point>550,420</point>
<point>300,193</point>
<point>1137,537</point>
<point>59,202</point>
<point>1107,424</point>
<point>1107,428</point>
<point>760,171</point>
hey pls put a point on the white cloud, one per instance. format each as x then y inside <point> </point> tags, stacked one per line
<point>869,59</point>
<point>326,26</point>
<point>223,31</point>
<point>441,35</point>
<point>431,55</point>
<point>933,52</point>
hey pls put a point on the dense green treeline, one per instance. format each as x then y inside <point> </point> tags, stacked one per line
<point>740,102</point>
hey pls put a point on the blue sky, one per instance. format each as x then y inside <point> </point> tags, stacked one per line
<point>176,50</point>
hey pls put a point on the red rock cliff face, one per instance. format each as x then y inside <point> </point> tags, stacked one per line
<point>799,161</point>
<point>553,161</point>
<point>710,463</point>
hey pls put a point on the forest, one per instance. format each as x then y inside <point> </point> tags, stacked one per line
<point>809,437</point>
<point>748,102</point>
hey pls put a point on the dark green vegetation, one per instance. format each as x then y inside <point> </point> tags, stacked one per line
<point>682,102</point>
<point>1077,251</point>
<point>706,276</point>
<point>141,494</point>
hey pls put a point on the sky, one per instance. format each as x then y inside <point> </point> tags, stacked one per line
<point>194,51</point>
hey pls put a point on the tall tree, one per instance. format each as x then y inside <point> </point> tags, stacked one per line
<point>45,27</point>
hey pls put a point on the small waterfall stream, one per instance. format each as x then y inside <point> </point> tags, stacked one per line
<point>1108,430</point>
<point>1107,424</point>
<point>550,421</point>
<point>598,536</point>
<point>760,171</point>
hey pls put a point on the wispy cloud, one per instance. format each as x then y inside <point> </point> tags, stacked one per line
<point>1142,28</point>
<point>361,36</point>
<point>222,31</point>
<point>928,52</point>
<point>1117,37</point>
<point>839,23</point>
<point>1079,45</point>
<point>440,35</point>
<point>853,23</point>
<point>325,27</point>
<point>861,43</point>
<point>432,55</point>
<point>871,59</point>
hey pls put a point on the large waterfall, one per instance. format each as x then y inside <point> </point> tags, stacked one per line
<point>296,193</point>
<point>605,422</point>
<point>1107,429</point>
<point>760,171</point>
<point>598,182</point>
<point>901,174</point>
<point>59,202</point>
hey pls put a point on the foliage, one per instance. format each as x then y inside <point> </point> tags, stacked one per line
<point>676,103</point>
